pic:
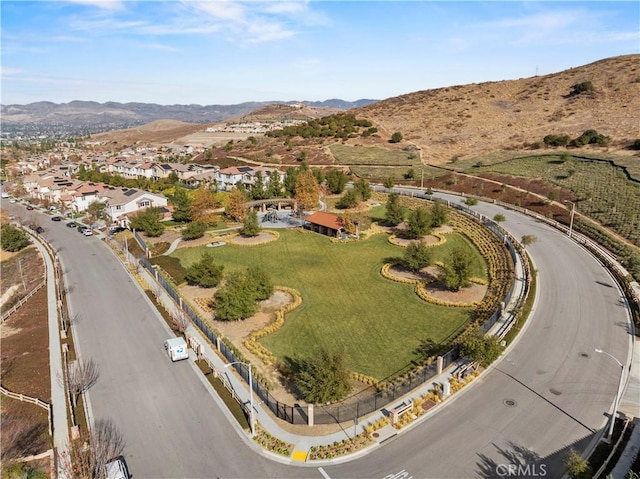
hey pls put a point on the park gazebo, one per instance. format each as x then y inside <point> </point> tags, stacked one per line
<point>325,223</point>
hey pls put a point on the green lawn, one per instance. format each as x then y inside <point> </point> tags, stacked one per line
<point>347,304</point>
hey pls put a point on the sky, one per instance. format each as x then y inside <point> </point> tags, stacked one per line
<point>224,52</point>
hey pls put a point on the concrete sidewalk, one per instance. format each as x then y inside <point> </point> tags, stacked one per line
<point>58,393</point>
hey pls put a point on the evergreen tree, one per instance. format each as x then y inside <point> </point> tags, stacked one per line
<point>348,200</point>
<point>275,185</point>
<point>417,255</point>
<point>439,214</point>
<point>235,299</point>
<point>323,378</point>
<point>258,191</point>
<point>250,224</point>
<point>419,223</point>
<point>194,230</point>
<point>457,270</point>
<point>290,180</point>
<point>148,220</point>
<point>205,273</point>
<point>395,211</point>
<point>363,189</point>
<point>181,205</point>
<point>336,181</point>
<point>260,283</point>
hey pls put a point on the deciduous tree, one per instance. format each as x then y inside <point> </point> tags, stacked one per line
<point>307,190</point>
<point>236,209</point>
<point>204,205</point>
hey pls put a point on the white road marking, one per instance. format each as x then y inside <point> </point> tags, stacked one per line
<point>324,474</point>
<point>399,475</point>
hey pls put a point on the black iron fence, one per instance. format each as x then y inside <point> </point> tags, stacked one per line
<point>365,402</point>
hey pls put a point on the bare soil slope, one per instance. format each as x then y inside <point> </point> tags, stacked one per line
<point>472,120</point>
<point>157,132</point>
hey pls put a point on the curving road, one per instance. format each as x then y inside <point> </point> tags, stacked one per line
<point>549,392</point>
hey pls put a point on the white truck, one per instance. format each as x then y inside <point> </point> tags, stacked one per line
<point>176,349</point>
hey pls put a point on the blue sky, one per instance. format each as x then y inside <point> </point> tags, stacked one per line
<point>228,52</point>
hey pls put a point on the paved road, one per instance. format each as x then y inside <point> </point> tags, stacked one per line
<point>560,387</point>
<point>548,393</point>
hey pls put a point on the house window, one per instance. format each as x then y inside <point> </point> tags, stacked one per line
<point>118,207</point>
<point>145,203</point>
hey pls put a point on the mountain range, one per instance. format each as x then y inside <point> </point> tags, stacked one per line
<point>93,117</point>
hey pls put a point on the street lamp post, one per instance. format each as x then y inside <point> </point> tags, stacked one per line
<point>252,422</point>
<point>617,399</point>
<point>573,210</point>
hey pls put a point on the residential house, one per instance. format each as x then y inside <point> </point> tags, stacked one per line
<point>121,203</point>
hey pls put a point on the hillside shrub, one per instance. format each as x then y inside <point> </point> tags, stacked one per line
<point>580,88</point>
<point>13,239</point>
<point>590,137</point>
<point>556,140</point>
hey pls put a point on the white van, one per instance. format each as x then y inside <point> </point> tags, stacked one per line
<point>176,349</point>
<point>116,469</point>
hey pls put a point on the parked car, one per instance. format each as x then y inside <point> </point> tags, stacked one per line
<point>71,224</point>
<point>116,469</point>
<point>29,207</point>
<point>81,228</point>
<point>88,232</point>
<point>115,229</point>
<point>39,230</point>
<point>53,208</point>
<point>56,218</point>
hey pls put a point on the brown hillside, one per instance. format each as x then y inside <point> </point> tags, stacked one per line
<point>281,112</point>
<point>472,120</point>
<point>161,131</point>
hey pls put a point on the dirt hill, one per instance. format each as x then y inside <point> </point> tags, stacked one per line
<point>471,120</point>
<point>156,132</point>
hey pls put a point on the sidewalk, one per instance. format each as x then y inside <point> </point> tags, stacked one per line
<point>58,394</point>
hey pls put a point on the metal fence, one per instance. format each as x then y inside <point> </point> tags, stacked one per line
<point>365,402</point>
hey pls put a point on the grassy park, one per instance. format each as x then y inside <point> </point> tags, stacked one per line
<point>347,304</point>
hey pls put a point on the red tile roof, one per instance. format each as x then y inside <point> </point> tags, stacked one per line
<point>325,219</point>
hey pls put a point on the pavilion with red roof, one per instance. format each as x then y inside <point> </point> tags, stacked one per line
<point>325,223</point>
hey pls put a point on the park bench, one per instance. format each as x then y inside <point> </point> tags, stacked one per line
<point>465,367</point>
<point>400,409</point>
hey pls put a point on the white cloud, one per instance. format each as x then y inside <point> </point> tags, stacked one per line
<point>4,71</point>
<point>110,5</point>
